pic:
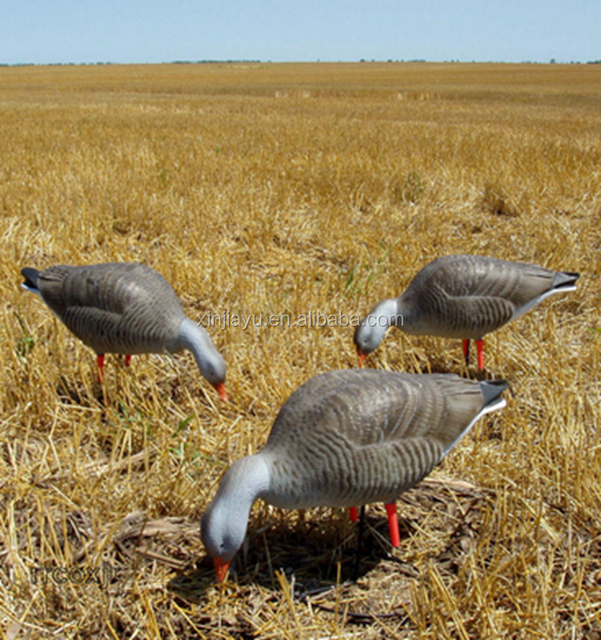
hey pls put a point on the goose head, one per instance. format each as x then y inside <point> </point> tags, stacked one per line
<point>224,523</point>
<point>371,329</point>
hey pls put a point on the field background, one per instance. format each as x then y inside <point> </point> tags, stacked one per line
<point>285,189</point>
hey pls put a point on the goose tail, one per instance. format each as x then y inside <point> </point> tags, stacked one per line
<point>565,281</point>
<point>492,390</point>
<point>31,279</point>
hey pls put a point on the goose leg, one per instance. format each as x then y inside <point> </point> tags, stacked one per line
<point>393,524</point>
<point>359,539</point>
<point>466,352</point>
<point>100,362</point>
<point>127,360</point>
<point>480,349</point>
<point>353,514</point>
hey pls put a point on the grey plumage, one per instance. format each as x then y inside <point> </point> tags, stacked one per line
<point>463,296</point>
<point>348,438</point>
<point>354,437</point>
<point>125,308</point>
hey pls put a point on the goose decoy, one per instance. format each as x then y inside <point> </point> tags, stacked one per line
<point>126,308</point>
<point>462,296</point>
<point>347,438</point>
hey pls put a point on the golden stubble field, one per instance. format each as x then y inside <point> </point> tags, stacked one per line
<point>290,189</point>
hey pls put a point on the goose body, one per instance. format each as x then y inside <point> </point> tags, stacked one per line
<point>125,308</point>
<point>462,296</point>
<point>347,438</point>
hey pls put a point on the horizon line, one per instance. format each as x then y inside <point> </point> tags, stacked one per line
<point>552,61</point>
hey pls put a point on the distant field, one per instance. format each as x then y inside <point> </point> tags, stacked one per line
<point>288,189</point>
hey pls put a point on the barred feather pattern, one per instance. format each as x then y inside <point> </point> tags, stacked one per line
<point>354,437</point>
<point>466,296</point>
<point>124,308</point>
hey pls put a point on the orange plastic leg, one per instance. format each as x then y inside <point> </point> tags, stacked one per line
<point>480,348</point>
<point>393,524</point>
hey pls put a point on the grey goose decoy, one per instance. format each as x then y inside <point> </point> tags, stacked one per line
<point>125,308</point>
<point>347,438</point>
<point>462,296</point>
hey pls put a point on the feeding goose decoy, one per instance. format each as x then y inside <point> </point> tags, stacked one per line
<point>462,296</point>
<point>347,438</point>
<point>125,308</point>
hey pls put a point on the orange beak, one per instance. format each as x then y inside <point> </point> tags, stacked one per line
<point>221,568</point>
<point>361,357</point>
<point>220,388</point>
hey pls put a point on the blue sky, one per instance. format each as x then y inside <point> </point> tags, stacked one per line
<point>86,31</point>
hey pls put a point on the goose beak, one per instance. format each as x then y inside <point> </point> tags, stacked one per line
<point>221,568</point>
<point>360,357</point>
<point>220,388</point>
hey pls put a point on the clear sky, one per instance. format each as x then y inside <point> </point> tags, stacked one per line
<point>87,31</point>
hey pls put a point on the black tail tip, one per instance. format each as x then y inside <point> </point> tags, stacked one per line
<point>31,277</point>
<point>492,389</point>
<point>567,279</point>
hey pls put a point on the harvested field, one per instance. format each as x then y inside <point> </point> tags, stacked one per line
<point>291,190</point>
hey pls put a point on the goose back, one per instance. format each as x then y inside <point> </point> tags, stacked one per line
<point>114,307</point>
<point>354,437</point>
<point>466,296</point>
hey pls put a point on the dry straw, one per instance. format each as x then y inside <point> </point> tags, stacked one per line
<point>328,197</point>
